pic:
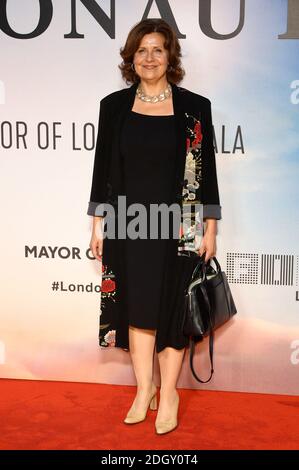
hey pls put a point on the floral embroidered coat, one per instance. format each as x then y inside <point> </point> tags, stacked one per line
<point>194,184</point>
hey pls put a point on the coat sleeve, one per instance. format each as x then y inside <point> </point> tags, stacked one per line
<point>210,193</point>
<point>98,185</point>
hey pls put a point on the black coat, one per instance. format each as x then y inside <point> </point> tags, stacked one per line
<point>194,143</point>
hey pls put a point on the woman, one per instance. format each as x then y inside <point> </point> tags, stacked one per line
<point>154,146</point>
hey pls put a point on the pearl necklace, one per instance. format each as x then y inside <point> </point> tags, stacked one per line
<point>154,99</point>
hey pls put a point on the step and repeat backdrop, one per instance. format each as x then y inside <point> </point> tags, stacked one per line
<point>57,60</point>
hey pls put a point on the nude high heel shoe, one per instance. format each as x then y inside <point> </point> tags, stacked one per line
<point>133,417</point>
<point>162,427</point>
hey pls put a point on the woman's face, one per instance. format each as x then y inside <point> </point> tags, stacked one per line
<point>151,58</point>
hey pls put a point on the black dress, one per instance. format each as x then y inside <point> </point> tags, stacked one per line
<point>147,148</point>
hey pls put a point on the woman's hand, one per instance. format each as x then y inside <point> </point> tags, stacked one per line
<point>96,242</point>
<point>208,243</point>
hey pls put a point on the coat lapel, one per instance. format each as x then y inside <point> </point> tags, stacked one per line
<point>181,136</point>
<point>115,180</point>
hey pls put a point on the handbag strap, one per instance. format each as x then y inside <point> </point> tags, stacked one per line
<point>211,336</point>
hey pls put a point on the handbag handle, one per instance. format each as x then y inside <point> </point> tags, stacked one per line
<point>203,265</point>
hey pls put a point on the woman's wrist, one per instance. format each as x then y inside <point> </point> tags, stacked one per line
<point>211,226</point>
<point>97,224</point>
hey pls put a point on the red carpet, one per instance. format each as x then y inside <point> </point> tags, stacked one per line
<point>62,415</point>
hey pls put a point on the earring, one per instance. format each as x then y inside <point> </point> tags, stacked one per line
<point>169,69</point>
<point>132,66</point>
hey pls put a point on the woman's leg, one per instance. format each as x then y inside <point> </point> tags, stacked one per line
<point>142,344</point>
<point>170,361</point>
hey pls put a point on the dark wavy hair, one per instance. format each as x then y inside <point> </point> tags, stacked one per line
<point>152,25</point>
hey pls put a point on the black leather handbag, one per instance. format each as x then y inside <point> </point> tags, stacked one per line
<point>208,304</point>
